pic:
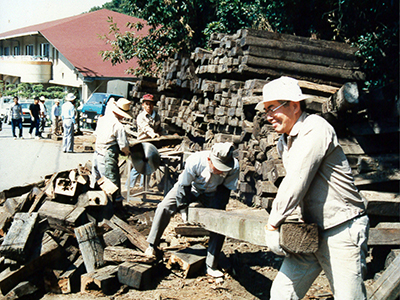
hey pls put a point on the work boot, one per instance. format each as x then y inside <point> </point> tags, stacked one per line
<point>213,272</point>
<point>150,251</point>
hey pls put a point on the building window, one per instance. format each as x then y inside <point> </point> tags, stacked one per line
<point>44,50</point>
<point>6,51</point>
<point>29,50</point>
<point>16,50</point>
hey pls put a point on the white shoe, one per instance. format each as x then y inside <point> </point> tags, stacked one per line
<point>21,137</point>
<point>14,138</point>
<point>150,251</point>
<point>214,272</point>
<point>30,136</point>
<point>37,138</point>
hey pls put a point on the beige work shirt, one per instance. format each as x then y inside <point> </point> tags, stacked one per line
<point>318,176</point>
<point>148,125</point>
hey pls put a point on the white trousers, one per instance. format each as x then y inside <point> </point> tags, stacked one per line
<point>341,254</point>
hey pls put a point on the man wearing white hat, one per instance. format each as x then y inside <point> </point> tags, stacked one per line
<point>110,142</point>
<point>68,119</point>
<point>208,178</point>
<point>320,185</point>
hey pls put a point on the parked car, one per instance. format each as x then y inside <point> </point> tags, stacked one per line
<point>26,117</point>
<point>5,104</point>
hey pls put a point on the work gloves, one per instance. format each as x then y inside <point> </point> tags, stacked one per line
<point>272,241</point>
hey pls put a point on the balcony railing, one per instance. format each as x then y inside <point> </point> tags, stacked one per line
<point>33,69</point>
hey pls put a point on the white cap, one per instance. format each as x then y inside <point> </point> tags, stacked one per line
<point>283,88</point>
<point>222,156</point>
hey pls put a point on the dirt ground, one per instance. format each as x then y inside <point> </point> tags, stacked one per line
<point>249,269</point>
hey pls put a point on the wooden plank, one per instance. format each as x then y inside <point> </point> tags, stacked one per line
<point>388,284</point>
<point>17,240</point>
<point>190,260</point>
<point>43,254</point>
<point>382,203</point>
<point>385,234</point>
<point>70,280</point>
<point>119,254</point>
<point>60,215</point>
<point>90,246</point>
<point>22,289</point>
<point>39,197</point>
<point>115,237</point>
<point>107,185</point>
<point>135,275</point>
<point>134,236</point>
<point>103,279</point>
<point>191,230</point>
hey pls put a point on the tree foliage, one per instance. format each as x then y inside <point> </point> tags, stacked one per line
<point>182,25</point>
<point>29,91</point>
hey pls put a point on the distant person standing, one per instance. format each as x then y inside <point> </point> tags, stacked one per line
<point>68,119</point>
<point>43,114</point>
<point>16,118</point>
<point>34,111</point>
<point>56,117</point>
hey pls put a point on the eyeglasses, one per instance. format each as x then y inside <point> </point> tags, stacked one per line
<point>271,110</point>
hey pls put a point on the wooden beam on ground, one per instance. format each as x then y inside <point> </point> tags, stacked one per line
<point>60,215</point>
<point>191,230</point>
<point>135,237</point>
<point>190,260</point>
<point>39,197</point>
<point>135,275</point>
<point>382,203</point>
<point>104,280</point>
<point>22,289</point>
<point>388,284</point>
<point>90,246</point>
<point>17,240</point>
<point>121,254</point>
<point>70,280</point>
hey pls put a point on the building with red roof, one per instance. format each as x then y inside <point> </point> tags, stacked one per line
<point>65,52</point>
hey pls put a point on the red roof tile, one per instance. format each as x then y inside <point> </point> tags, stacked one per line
<point>77,38</point>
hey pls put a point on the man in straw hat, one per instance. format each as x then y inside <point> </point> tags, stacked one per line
<point>110,142</point>
<point>320,185</point>
<point>149,126</point>
<point>68,120</point>
<point>208,178</point>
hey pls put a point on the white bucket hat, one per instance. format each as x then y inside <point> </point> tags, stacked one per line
<point>70,97</point>
<point>123,108</point>
<point>222,156</point>
<point>283,88</point>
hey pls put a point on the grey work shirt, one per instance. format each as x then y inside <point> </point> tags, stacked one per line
<point>148,125</point>
<point>109,132</point>
<point>197,173</point>
<point>16,111</point>
<point>318,176</point>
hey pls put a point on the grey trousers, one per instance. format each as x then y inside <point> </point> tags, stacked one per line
<point>168,207</point>
<point>68,140</point>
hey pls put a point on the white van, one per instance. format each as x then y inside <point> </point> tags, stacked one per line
<point>5,105</point>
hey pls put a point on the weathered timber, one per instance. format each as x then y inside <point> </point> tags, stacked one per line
<point>321,88</point>
<point>191,230</point>
<point>43,254</point>
<point>384,234</point>
<point>104,280</point>
<point>190,260</point>
<point>65,186</point>
<point>92,198</point>
<point>305,58</point>
<point>315,70</point>
<point>135,275</point>
<point>18,237</point>
<point>344,99</point>
<point>115,237</point>
<point>300,44</point>
<point>265,188</point>
<point>246,225</point>
<point>134,236</point>
<point>382,203</point>
<point>90,246</point>
<point>299,237</point>
<point>60,215</point>
<point>107,185</point>
<point>388,284</point>
<point>120,254</point>
<point>70,280</point>
<point>19,190</point>
<point>40,197</point>
<point>22,289</point>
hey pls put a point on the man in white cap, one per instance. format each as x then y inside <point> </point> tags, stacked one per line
<point>56,117</point>
<point>110,142</point>
<point>320,185</point>
<point>68,119</point>
<point>208,178</point>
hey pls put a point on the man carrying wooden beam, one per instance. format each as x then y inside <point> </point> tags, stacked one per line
<point>208,178</point>
<point>319,182</point>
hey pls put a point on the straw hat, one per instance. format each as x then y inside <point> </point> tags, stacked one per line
<point>122,108</point>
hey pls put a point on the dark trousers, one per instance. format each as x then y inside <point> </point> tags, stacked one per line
<point>35,124</point>
<point>16,123</point>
